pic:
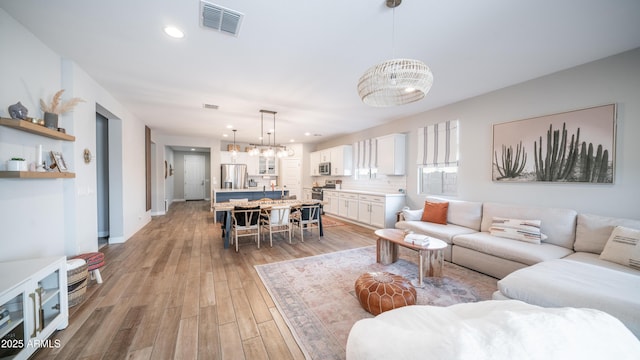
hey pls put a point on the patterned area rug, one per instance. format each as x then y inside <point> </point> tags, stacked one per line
<point>316,294</point>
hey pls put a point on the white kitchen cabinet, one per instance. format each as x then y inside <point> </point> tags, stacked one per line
<point>226,158</point>
<point>314,162</point>
<point>348,207</point>
<point>325,155</point>
<point>267,165</point>
<point>342,160</point>
<point>371,210</point>
<point>33,301</point>
<point>340,157</point>
<point>253,162</point>
<point>332,199</point>
<point>391,154</point>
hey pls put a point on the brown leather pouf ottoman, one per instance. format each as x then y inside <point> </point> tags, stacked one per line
<point>382,291</point>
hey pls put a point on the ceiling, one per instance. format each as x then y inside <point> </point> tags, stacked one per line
<point>303,59</point>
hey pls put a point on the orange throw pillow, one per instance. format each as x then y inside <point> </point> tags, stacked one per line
<point>435,212</point>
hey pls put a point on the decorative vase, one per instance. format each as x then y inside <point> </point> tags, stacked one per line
<point>18,111</point>
<point>16,165</point>
<point>51,120</point>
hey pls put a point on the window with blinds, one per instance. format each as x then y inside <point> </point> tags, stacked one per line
<point>366,157</point>
<point>437,158</point>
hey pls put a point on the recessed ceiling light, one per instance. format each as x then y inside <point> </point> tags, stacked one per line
<point>174,32</point>
<point>192,149</point>
<point>292,140</point>
<point>229,126</point>
<point>307,134</point>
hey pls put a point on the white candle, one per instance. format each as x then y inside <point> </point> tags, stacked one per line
<point>38,156</point>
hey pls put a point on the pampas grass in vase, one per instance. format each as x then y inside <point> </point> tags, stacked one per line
<point>57,107</point>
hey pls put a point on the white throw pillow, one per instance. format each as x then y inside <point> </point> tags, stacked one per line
<point>412,215</point>
<point>517,229</point>
<point>623,247</point>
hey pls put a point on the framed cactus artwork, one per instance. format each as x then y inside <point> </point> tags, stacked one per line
<point>572,147</point>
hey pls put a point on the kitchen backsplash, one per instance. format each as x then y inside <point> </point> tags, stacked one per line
<point>260,182</point>
<point>381,183</point>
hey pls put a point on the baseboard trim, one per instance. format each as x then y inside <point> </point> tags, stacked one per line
<point>117,240</point>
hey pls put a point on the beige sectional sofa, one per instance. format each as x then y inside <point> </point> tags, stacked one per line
<point>564,270</point>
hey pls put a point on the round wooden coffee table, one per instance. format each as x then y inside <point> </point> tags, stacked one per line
<point>388,246</point>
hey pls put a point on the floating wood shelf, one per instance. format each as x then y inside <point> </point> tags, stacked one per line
<point>36,129</point>
<point>36,175</point>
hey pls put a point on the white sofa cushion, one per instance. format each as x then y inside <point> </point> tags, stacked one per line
<point>564,282</point>
<point>623,247</point>
<point>463,213</point>
<point>439,231</point>
<point>519,251</point>
<point>594,259</point>
<point>497,330</point>
<point>558,224</point>
<point>412,215</point>
<point>517,229</point>
<point>593,231</point>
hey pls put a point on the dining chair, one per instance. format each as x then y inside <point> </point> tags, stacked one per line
<point>223,224</point>
<point>245,222</point>
<point>276,220</point>
<point>306,216</point>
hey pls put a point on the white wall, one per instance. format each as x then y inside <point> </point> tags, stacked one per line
<point>59,217</point>
<point>31,212</point>
<point>611,80</point>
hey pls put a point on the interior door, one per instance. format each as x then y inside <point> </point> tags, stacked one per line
<point>194,177</point>
<point>290,172</point>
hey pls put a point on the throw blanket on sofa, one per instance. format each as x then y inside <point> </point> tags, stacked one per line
<point>492,330</point>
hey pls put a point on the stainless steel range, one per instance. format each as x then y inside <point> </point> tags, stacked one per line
<point>316,191</point>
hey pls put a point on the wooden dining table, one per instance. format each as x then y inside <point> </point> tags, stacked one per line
<point>226,208</point>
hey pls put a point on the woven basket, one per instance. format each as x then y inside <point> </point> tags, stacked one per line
<point>77,275</point>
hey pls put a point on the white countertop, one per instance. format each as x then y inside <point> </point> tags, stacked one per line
<point>364,192</point>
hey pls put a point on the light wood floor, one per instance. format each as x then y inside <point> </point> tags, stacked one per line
<point>173,292</point>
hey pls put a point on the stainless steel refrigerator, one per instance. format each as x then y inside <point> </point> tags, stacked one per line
<point>233,176</point>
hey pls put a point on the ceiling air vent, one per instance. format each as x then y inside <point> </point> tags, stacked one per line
<point>220,18</point>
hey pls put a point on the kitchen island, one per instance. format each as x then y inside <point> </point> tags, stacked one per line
<point>223,195</point>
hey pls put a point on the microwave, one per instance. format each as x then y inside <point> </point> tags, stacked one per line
<point>324,168</point>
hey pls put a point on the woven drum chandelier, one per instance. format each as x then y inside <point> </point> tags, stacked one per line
<point>395,82</point>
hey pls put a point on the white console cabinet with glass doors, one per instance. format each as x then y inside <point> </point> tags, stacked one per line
<point>33,304</point>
